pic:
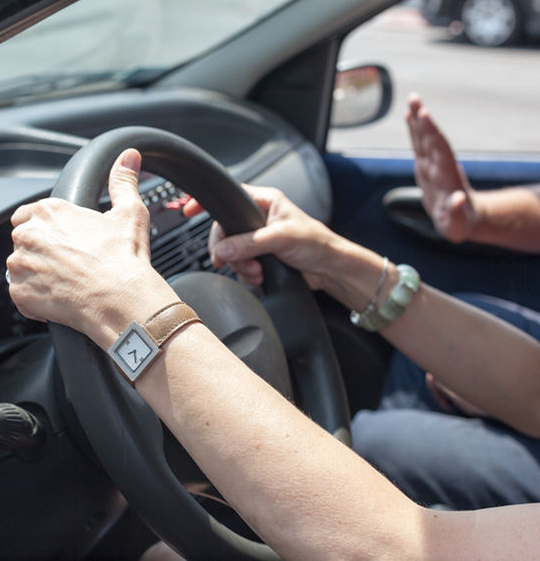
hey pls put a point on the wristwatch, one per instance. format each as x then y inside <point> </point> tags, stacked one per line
<point>139,345</point>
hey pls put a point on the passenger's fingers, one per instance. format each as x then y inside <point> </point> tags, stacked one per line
<point>430,139</point>
<point>461,215</point>
<point>450,216</point>
<point>456,202</point>
<point>124,178</point>
<point>430,132</point>
<point>464,181</point>
<point>421,172</point>
<point>413,132</point>
<point>425,121</point>
<point>415,103</point>
<point>413,106</point>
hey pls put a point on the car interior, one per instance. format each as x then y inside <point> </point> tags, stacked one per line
<point>253,106</point>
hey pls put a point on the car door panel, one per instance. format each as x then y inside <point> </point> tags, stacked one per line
<point>359,185</point>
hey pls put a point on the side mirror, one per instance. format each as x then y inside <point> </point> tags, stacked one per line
<point>362,94</point>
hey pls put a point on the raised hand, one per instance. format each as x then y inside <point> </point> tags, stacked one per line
<point>447,195</point>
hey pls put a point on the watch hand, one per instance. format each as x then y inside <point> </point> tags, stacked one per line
<point>134,353</point>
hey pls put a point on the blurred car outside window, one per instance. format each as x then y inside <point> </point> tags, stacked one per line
<point>485,99</point>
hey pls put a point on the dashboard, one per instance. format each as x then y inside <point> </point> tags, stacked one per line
<point>36,142</point>
<point>256,146</point>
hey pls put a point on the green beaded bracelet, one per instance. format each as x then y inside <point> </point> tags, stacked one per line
<point>395,304</point>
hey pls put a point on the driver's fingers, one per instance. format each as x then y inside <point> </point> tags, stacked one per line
<point>263,196</point>
<point>216,234</point>
<point>46,209</point>
<point>250,271</point>
<point>192,208</point>
<point>23,214</point>
<point>249,245</point>
<point>123,179</point>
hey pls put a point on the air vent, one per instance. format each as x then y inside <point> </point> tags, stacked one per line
<point>184,249</point>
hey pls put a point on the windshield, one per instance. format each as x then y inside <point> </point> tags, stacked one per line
<point>119,41</point>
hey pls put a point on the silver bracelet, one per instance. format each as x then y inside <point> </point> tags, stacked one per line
<point>358,318</point>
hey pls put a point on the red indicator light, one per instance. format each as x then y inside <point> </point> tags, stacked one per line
<point>178,204</point>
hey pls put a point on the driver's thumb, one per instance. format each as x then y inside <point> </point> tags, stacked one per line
<point>124,178</point>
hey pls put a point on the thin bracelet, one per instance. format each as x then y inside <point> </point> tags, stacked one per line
<point>358,318</point>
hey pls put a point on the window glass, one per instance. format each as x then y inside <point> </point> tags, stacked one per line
<point>121,36</point>
<point>484,98</point>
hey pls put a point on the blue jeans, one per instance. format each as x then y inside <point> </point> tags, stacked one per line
<point>440,457</point>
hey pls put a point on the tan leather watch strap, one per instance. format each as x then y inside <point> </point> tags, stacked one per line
<point>169,320</point>
<point>139,345</point>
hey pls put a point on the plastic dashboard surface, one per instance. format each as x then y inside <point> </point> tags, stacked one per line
<point>36,140</point>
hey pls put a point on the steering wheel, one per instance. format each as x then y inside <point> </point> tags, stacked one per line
<point>126,435</point>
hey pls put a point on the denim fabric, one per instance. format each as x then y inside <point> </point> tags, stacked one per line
<point>441,457</point>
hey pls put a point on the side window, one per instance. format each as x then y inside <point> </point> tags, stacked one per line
<point>486,99</point>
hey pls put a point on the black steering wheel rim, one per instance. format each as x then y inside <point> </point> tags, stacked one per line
<point>123,431</point>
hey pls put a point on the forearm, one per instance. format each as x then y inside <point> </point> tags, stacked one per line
<point>480,357</point>
<point>308,495</point>
<point>484,360</point>
<point>508,218</point>
<point>305,493</point>
<point>509,533</point>
<point>286,476</point>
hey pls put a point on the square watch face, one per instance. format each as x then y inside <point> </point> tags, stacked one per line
<point>133,351</point>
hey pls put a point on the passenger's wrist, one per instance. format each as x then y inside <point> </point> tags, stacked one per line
<point>476,216</point>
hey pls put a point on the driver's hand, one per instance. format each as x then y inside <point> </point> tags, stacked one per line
<point>71,265</point>
<point>293,236</point>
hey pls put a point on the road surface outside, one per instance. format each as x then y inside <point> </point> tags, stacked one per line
<point>485,99</point>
